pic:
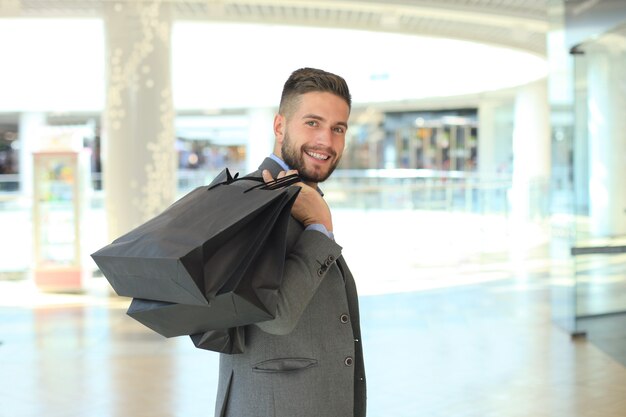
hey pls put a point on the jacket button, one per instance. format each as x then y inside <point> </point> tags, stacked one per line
<point>348,361</point>
<point>344,318</point>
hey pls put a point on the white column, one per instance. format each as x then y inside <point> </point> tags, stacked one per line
<point>606,103</point>
<point>487,160</point>
<point>139,159</point>
<point>260,137</point>
<point>531,152</point>
<point>30,129</point>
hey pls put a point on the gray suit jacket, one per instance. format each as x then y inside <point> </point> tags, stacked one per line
<point>308,361</point>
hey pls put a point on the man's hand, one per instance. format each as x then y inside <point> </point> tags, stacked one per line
<point>309,207</point>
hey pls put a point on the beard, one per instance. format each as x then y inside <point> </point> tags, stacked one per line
<point>294,158</point>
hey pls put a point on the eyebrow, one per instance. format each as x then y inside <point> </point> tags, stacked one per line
<point>320,118</point>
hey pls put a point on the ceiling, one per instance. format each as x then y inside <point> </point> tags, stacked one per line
<point>519,24</point>
<point>383,64</point>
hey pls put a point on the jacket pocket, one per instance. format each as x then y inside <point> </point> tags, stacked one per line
<point>284,365</point>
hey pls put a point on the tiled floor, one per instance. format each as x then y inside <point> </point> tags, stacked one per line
<point>465,333</point>
<point>479,350</point>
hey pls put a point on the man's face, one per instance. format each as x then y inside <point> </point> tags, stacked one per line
<point>312,138</point>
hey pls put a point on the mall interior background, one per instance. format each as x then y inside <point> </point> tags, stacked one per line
<point>482,132</point>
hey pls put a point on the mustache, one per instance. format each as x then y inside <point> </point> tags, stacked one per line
<point>323,149</point>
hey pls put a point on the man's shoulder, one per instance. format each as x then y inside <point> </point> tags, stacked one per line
<point>272,166</point>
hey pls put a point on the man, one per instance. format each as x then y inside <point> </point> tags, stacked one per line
<point>308,361</point>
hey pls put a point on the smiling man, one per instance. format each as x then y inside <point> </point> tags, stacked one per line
<point>318,126</point>
<point>308,360</point>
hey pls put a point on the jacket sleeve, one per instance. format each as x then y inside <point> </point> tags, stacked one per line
<point>305,267</point>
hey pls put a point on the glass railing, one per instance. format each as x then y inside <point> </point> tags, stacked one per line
<point>413,189</point>
<point>362,189</point>
<point>381,189</point>
<point>588,276</point>
<point>478,198</point>
<point>9,183</point>
<point>366,189</point>
<point>418,189</point>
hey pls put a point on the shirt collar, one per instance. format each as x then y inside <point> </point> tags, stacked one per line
<point>280,162</point>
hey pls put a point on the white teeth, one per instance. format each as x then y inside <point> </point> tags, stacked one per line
<point>317,156</point>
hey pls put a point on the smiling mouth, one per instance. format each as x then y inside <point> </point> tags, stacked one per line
<point>318,156</point>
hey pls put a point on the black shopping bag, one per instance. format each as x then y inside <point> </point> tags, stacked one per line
<point>171,319</point>
<point>210,262</point>
<point>230,341</point>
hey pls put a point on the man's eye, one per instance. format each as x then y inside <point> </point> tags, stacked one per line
<point>339,130</point>
<point>312,123</point>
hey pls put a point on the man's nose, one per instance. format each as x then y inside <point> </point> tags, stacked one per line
<point>324,138</point>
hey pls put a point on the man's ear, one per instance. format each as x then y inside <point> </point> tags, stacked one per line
<point>279,128</point>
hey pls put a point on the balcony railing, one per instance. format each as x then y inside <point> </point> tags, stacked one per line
<point>377,189</point>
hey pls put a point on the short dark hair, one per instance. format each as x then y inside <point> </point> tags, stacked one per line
<point>306,80</point>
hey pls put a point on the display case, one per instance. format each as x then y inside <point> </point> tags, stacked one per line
<point>57,213</point>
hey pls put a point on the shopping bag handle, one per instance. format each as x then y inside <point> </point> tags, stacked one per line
<point>229,179</point>
<point>285,181</point>
<point>271,185</point>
